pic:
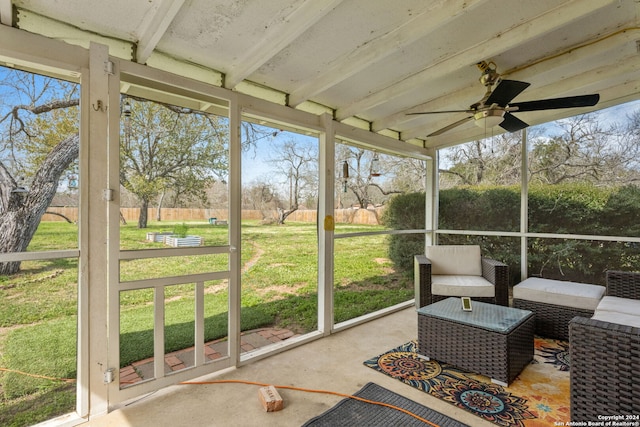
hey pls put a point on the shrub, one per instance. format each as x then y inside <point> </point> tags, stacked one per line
<point>490,208</point>
<point>181,230</point>
<point>405,212</point>
<point>574,208</point>
<point>559,209</point>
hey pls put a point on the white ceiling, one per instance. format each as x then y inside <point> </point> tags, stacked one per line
<point>368,61</point>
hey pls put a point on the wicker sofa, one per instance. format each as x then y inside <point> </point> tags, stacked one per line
<point>605,355</point>
<point>456,266</point>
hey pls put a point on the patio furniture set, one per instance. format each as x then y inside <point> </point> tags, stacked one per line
<point>602,325</point>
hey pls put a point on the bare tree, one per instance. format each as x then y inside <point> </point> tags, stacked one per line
<point>370,181</point>
<point>578,153</point>
<point>580,148</point>
<point>297,161</point>
<point>586,150</point>
<point>262,196</point>
<point>493,160</point>
<point>407,175</point>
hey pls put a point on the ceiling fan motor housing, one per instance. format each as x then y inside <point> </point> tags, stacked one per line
<point>489,118</point>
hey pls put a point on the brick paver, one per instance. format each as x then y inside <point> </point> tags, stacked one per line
<point>180,359</point>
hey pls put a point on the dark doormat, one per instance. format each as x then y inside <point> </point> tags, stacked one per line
<point>351,412</point>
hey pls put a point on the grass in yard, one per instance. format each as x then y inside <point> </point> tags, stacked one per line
<point>42,290</point>
<point>58,399</point>
<point>364,277</point>
<point>44,349</point>
<point>279,288</point>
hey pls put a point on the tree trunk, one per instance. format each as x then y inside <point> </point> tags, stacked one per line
<point>159,210</point>
<point>144,214</point>
<point>20,213</point>
<point>283,214</point>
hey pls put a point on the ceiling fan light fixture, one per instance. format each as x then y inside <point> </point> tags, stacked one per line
<point>488,118</point>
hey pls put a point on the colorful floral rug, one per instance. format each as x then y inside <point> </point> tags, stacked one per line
<point>538,397</point>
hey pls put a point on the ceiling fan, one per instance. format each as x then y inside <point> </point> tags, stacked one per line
<point>495,107</point>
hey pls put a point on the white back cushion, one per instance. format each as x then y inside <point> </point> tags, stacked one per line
<point>455,259</point>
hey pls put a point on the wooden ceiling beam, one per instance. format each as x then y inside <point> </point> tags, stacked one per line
<point>276,38</point>
<point>6,13</point>
<point>154,26</point>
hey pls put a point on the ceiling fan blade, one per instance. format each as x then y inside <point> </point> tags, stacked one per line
<point>556,103</point>
<point>438,112</point>
<point>451,126</point>
<point>505,92</point>
<point>511,123</point>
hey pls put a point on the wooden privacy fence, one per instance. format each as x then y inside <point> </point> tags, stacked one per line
<point>349,216</point>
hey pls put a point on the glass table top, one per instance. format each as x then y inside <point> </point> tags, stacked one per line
<point>492,317</point>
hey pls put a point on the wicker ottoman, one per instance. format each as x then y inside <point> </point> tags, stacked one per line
<point>556,302</point>
<point>491,340</point>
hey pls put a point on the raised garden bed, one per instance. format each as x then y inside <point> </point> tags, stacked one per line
<point>159,237</point>
<point>178,242</point>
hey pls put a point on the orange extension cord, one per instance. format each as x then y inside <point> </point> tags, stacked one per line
<point>288,387</point>
<point>66,380</point>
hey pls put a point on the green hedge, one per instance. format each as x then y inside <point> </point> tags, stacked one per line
<point>559,209</point>
<point>405,212</point>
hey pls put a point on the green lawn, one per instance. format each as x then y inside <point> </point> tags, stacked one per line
<point>279,288</point>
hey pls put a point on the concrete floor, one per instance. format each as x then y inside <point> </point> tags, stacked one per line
<point>333,363</point>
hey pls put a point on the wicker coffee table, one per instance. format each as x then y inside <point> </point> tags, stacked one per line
<point>491,340</point>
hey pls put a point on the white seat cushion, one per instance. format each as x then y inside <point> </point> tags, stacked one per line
<point>619,305</point>
<point>622,311</point>
<point>455,259</point>
<point>618,318</point>
<point>462,286</point>
<point>558,292</point>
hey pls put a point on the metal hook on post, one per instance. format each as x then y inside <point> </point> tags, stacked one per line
<point>98,107</point>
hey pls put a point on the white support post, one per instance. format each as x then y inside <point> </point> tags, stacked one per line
<point>94,228</point>
<point>524,206</point>
<point>158,332</point>
<point>111,198</point>
<point>199,325</point>
<point>82,377</point>
<point>326,224</point>
<point>432,190</point>
<point>235,229</point>
<point>430,210</point>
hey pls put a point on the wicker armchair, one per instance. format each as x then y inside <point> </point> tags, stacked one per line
<point>495,272</point>
<point>605,359</point>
